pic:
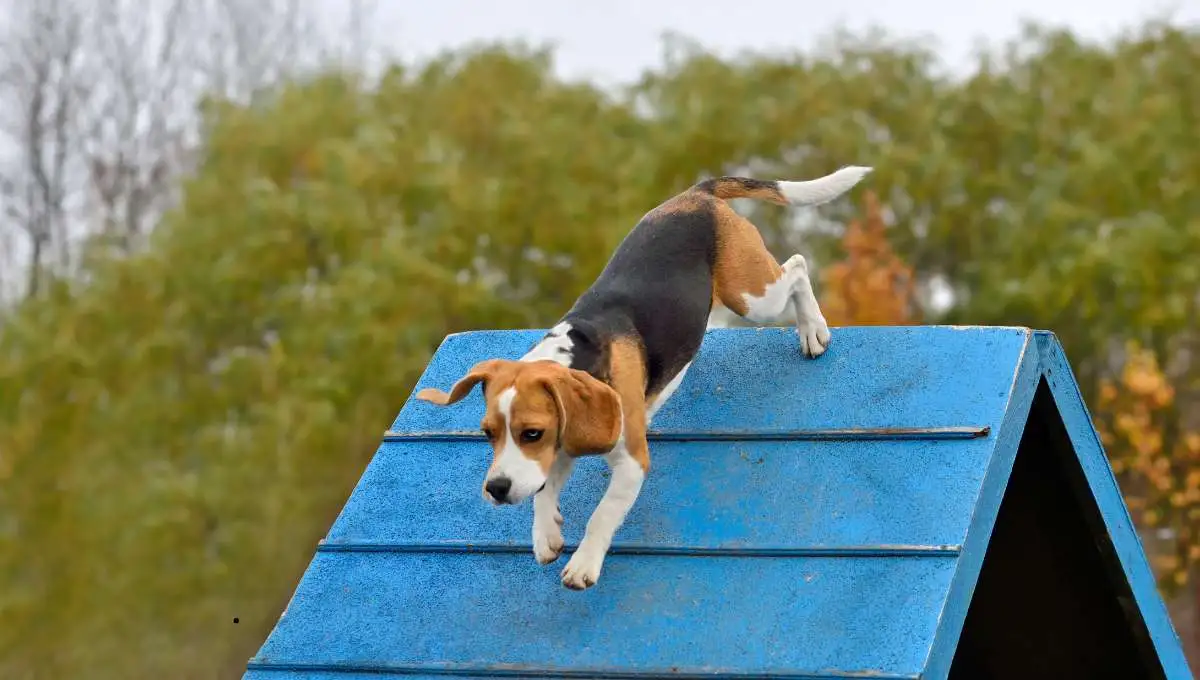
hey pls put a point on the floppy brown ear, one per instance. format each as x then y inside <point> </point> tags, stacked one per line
<point>478,373</point>
<point>589,412</point>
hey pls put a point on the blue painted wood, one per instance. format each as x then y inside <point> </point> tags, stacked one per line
<point>306,673</point>
<point>1056,370</point>
<point>278,672</point>
<point>921,377</point>
<point>656,614</point>
<point>762,546</point>
<point>805,494</point>
<point>830,435</point>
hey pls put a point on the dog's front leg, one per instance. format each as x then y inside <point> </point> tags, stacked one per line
<point>547,516</point>
<point>583,570</point>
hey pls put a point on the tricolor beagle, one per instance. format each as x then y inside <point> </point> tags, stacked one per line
<point>592,384</point>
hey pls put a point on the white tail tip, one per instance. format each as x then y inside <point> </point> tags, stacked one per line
<point>823,189</point>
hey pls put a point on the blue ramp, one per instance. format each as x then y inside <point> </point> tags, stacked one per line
<point>924,502</point>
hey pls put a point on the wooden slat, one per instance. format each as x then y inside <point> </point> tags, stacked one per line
<point>649,616</point>
<point>713,495</point>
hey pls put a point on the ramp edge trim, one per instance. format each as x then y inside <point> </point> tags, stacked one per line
<point>834,434</point>
<point>649,549</point>
<point>516,671</point>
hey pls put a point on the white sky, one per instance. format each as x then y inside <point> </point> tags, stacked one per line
<point>614,40</point>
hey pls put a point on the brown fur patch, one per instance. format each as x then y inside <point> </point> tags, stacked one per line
<point>580,413</point>
<point>689,201</point>
<point>743,264</point>
<point>478,373</point>
<point>629,378</point>
<point>589,410</point>
<point>744,187</point>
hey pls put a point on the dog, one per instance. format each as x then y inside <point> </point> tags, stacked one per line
<point>593,383</point>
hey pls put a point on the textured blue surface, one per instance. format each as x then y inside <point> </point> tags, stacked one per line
<point>805,494</point>
<point>654,614</point>
<point>756,381</point>
<point>786,549</point>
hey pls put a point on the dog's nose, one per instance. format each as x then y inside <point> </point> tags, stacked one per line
<point>498,488</point>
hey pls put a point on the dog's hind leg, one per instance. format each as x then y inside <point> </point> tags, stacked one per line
<point>750,283</point>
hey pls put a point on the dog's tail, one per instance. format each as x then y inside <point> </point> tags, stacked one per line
<point>810,192</point>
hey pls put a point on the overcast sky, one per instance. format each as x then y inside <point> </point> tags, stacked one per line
<point>613,40</point>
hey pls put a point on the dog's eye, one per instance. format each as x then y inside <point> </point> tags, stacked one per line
<point>487,432</point>
<point>530,436</point>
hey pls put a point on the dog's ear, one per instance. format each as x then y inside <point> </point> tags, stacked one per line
<point>480,372</point>
<point>589,412</point>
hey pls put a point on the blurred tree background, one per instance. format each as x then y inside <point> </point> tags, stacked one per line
<point>192,382</point>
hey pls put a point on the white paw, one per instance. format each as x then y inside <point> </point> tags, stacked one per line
<point>814,337</point>
<point>583,570</point>
<point>547,534</point>
<point>547,544</point>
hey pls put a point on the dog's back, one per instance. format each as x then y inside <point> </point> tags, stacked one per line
<point>658,286</point>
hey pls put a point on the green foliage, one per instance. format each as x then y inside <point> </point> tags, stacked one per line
<point>179,427</point>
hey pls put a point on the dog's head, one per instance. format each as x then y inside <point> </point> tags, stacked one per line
<point>534,410</point>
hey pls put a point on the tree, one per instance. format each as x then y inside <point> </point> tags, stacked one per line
<point>1157,449</point>
<point>240,363</point>
<point>40,74</point>
<point>871,286</point>
<point>100,113</point>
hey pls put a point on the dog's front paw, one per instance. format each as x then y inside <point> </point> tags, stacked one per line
<point>814,337</point>
<point>547,544</point>
<point>547,534</point>
<point>583,569</point>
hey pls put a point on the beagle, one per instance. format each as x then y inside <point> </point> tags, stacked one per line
<point>593,383</point>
